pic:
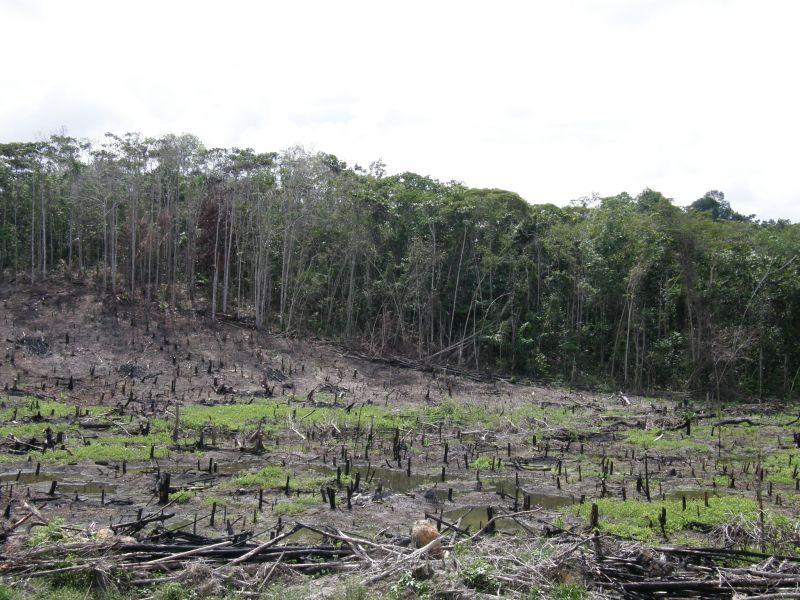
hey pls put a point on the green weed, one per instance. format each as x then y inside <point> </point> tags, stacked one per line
<point>640,520</point>
<point>479,575</point>
<point>181,496</point>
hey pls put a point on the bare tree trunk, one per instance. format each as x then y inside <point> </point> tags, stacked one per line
<point>70,242</point>
<point>173,279</point>
<point>105,243</point>
<point>216,267</point>
<point>114,247</point>
<point>455,291</point>
<point>133,246</point>
<point>80,250</point>
<point>433,289</point>
<point>627,342</point>
<point>239,287</point>
<point>227,254</point>
<point>44,232</point>
<point>33,228</point>
<point>350,294</point>
<point>285,269</point>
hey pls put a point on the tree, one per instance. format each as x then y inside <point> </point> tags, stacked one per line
<point>714,204</point>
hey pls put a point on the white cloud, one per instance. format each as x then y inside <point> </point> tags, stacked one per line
<point>554,100</point>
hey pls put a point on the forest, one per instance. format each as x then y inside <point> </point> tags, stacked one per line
<point>622,292</point>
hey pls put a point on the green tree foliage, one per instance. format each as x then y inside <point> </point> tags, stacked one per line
<point>714,204</point>
<point>626,291</point>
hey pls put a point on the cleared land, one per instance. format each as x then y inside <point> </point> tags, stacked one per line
<point>146,453</point>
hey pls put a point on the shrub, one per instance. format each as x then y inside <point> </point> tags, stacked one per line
<point>479,575</point>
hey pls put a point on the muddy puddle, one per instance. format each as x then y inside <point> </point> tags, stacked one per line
<point>224,467</point>
<point>507,487</point>
<point>73,485</point>
<point>474,518</point>
<point>391,480</point>
<point>29,477</point>
<point>388,479</point>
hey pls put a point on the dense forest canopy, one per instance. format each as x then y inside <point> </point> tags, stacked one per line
<point>633,292</point>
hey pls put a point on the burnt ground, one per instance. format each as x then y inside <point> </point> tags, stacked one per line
<point>257,431</point>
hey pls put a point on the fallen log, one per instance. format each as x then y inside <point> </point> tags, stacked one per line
<point>134,526</point>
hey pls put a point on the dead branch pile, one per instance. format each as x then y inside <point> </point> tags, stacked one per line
<point>540,558</point>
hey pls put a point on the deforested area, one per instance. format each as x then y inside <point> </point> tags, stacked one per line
<point>234,374</point>
<point>150,452</point>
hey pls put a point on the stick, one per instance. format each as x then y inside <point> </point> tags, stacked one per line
<point>187,553</point>
<point>263,546</point>
<point>399,564</point>
<point>269,574</point>
<point>346,538</point>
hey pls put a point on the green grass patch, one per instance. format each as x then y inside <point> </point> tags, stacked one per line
<point>640,520</point>
<point>181,496</point>
<point>274,415</point>
<point>273,477</point>
<point>296,506</point>
<point>667,441</point>
<point>484,463</point>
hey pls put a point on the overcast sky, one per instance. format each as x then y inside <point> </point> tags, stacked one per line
<point>554,100</point>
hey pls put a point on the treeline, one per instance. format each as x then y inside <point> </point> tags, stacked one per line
<point>629,292</point>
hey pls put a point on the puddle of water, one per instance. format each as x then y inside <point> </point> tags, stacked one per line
<point>29,477</point>
<point>391,479</point>
<point>67,487</point>
<point>235,467</point>
<point>474,518</point>
<point>397,481</point>
<point>439,494</point>
<point>508,487</point>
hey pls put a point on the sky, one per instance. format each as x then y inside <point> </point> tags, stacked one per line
<point>554,100</point>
